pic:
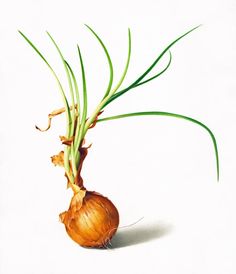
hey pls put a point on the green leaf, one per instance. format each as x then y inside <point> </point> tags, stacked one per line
<point>67,107</point>
<point>161,113</point>
<point>116,95</point>
<point>105,99</point>
<point>75,87</point>
<point>158,74</point>
<point>56,77</point>
<point>34,47</point>
<point>79,130</point>
<point>108,59</point>
<point>136,82</point>
<point>69,82</point>
<point>85,99</point>
<point>126,65</point>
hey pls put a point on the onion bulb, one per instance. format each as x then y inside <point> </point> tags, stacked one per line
<point>91,219</point>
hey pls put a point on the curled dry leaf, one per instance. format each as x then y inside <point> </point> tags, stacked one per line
<point>52,115</point>
<point>67,141</point>
<point>58,160</point>
<point>77,200</point>
<point>95,120</point>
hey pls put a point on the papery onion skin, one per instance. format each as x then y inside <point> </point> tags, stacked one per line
<point>91,222</point>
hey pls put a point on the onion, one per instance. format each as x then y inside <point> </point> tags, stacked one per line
<point>92,220</point>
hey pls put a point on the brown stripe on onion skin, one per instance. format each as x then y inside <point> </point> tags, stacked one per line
<point>90,233</point>
<point>94,218</point>
<point>94,223</point>
<point>88,217</point>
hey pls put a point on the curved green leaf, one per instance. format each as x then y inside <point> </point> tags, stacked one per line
<point>85,99</point>
<point>75,87</point>
<point>161,113</point>
<point>136,82</point>
<point>158,74</point>
<point>126,65</point>
<point>69,82</point>
<point>108,59</point>
<point>66,104</point>
<point>65,101</point>
<point>116,95</point>
<point>79,130</point>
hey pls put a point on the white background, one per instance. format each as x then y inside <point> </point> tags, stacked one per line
<point>158,168</point>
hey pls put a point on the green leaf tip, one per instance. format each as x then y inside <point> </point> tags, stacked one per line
<point>138,82</point>
<point>110,82</point>
<point>35,48</point>
<point>161,113</point>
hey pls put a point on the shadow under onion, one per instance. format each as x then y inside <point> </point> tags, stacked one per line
<point>139,234</point>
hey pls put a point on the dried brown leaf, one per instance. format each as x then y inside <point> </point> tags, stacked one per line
<point>67,141</point>
<point>95,120</point>
<point>52,115</point>
<point>58,160</point>
<point>75,205</point>
<point>77,200</point>
<point>83,153</point>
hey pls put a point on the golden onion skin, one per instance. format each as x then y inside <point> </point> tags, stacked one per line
<point>92,221</point>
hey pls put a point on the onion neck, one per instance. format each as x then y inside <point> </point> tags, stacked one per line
<point>83,151</point>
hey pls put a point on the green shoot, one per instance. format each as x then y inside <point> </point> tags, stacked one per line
<point>126,65</point>
<point>67,108</point>
<point>79,131</point>
<point>161,113</point>
<point>76,91</point>
<point>108,59</point>
<point>67,154</point>
<point>136,82</point>
<point>158,74</point>
<point>105,100</point>
<point>78,122</point>
<point>70,85</point>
